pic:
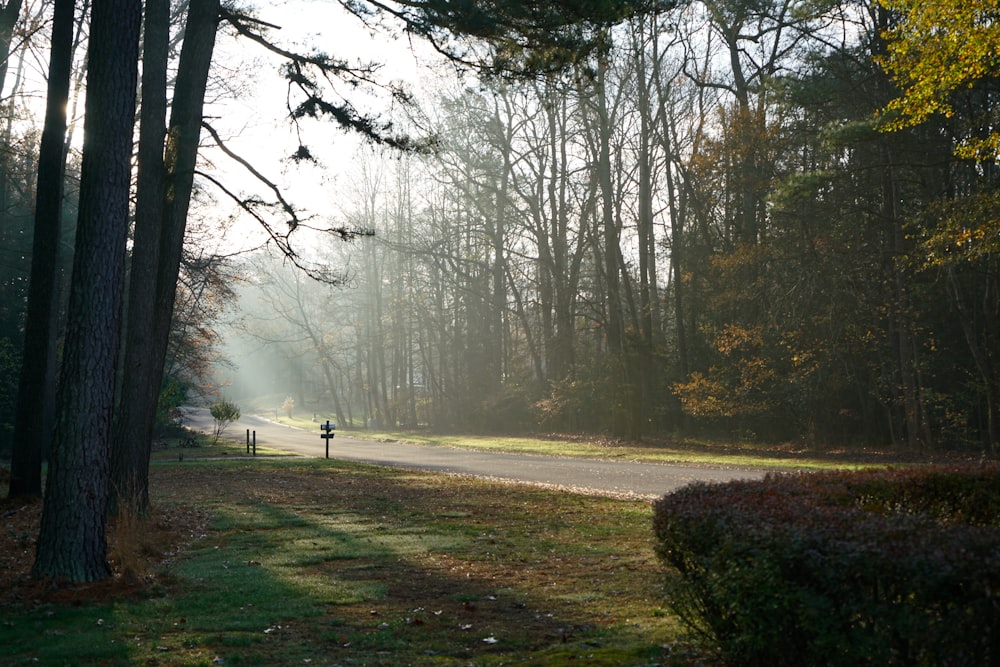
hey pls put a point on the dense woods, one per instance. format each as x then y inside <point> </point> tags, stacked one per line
<point>702,228</point>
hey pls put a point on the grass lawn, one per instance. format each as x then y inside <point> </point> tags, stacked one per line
<point>315,562</point>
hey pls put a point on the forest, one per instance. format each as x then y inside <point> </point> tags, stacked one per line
<point>703,229</point>
<point>720,220</point>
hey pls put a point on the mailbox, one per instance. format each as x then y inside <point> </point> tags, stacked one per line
<point>327,434</point>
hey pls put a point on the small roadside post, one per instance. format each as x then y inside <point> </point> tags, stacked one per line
<point>327,434</point>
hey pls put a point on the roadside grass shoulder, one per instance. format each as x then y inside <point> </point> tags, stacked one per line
<point>674,451</point>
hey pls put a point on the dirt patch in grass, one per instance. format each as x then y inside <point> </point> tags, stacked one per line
<point>19,521</point>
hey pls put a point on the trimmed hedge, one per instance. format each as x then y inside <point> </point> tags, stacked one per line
<point>885,567</point>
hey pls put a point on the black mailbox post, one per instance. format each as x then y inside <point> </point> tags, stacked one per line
<point>327,434</point>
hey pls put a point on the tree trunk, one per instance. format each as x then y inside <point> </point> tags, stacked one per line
<point>618,390</point>
<point>496,234</point>
<point>982,347</point>
<point>8,19</point>
<point>32,428</point>
<point>141,386</point>
<point>72,543</point>
<point>900,323</point>
<point>647,371</point>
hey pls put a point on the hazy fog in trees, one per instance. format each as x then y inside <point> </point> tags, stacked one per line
<point>679,236</point>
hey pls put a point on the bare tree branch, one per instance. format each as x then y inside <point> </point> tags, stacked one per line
<point>298,71</point>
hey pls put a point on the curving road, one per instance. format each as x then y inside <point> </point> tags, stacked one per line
<point>617,478</point>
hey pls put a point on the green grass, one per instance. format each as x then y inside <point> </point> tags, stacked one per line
<point>697,452</point>
<point>317,562</point>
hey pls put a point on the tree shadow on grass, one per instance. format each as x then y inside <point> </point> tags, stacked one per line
<point>331,563</point>
<point>405,568</point>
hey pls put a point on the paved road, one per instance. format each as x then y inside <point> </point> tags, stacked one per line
<point>584,475</point>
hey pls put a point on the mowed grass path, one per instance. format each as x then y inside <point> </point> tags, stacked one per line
<point>325,563</point>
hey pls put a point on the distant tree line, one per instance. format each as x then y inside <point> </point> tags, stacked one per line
<point>709,225</point>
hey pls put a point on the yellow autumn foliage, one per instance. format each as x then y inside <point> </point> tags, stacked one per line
<point>938,48</point>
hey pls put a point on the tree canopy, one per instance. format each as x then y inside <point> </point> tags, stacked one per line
<point>524,37</point>
<point>937,52</point>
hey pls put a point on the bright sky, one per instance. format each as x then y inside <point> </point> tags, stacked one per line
<point>256,125</point>
<point>250,108</point>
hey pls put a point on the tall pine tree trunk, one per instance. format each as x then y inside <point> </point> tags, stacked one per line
<point>140,383</point>
<point>72,542</point>
<point>146,346</point>
<point>32,428</point>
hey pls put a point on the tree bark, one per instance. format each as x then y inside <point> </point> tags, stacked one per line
<point>72,542</point>
<point>32,428</point>
<point>148,339</point>
<point>140,382</point>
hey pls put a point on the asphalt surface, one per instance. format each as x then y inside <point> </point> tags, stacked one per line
<point>619,478</point>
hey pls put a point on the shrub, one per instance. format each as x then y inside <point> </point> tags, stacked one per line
<point>224,413</point>
<point>880,567</point>
<point>173,394</point>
